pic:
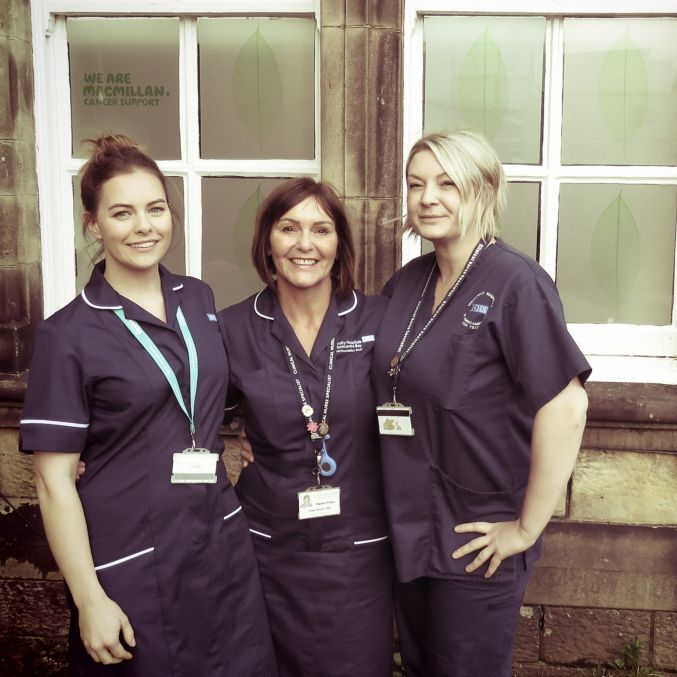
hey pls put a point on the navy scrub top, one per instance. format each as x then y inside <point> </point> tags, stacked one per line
<point>255,332</point>
<point>160,549</point>
<point>496,354</point>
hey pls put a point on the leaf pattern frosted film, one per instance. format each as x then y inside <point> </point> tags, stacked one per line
<point>86,247</point>
<point>257,88</point>
<point>486,73</point>
<point>616,253</point>
<point>229,206</point>
<point>519,223</point>
<point>620,92</point>
<point>124,76</point>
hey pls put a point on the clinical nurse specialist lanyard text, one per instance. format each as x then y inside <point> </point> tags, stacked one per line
<point>319,432</point>
<point>200,465</point>
<point>395,418</point>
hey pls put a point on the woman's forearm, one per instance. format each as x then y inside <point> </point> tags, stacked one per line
<point>556,440</point>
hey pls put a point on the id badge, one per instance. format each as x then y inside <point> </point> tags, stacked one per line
<point>394,419</point>
<point>194,466</point>
<point>319,502</point>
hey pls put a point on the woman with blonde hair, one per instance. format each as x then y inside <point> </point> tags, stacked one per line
<point>481,412</point>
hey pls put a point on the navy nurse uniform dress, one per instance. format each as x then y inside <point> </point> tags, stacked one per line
<point>497,353</point>
<point>328,580</point>
<point>177,558</point>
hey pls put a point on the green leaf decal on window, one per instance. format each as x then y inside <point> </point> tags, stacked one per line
<point>256,87</point>
<point>242,237</point>
<point>622,90</point>
<point>616,252</point>
<point>483,86</point>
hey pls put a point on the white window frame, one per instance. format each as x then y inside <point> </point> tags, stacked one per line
<point>55,163</point>
<point>640,353</point>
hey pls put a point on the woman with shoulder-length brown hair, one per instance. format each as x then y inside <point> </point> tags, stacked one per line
<point>300,359</point>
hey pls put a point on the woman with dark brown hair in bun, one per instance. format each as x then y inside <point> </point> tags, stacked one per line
<point>131,377</point>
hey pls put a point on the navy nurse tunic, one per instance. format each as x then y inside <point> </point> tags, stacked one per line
<point>177,559</point>
<point>497,353</point>
<point>327,581</point>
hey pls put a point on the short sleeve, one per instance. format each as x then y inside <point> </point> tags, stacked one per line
<point>540,353</point>
<point>56,408</point>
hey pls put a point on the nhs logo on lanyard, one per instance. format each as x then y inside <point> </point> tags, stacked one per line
<point>354,345</point>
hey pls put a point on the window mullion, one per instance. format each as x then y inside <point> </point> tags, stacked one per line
<point>190,144</point>
<point>552,131</point>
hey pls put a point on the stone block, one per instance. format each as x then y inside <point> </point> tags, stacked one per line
<point>356,111</point>
<point>606,566</point>
<point>21,90</point>
<point>17,168</point>
<point>6,117</point>
<point>626,403</point>
<point>333,122</point>
<point>25,220</point>
<point>13,299</point>
<point>665,640</point>
<point>357,12</point>
<point>15,19</point>
<point>630,437</point>
<point>384,111</point>
<point>528,635</point>
<point>592,636</point>
<point>386,14</point>
<point>625,487</point>
<point>16,470</point>
<point>544,670</point>
<point>10,218</point>
<point>33,608</point>
<point>333,14</point>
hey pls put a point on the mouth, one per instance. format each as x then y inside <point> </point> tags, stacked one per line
<point>147,244</point>
<point>431,217</point>
<point>304,262</point>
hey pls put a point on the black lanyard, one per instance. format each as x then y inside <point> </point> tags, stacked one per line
<point>403,353</point>
<point>319,432</point>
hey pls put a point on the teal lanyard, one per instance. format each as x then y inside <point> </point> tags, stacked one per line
<point>150,347</point>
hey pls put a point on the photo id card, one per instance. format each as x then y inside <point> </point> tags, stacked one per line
<point>319,502</point>
<point>194,466</point>
<point>394,419</point>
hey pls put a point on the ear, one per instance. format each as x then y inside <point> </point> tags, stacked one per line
<point>92,226</point>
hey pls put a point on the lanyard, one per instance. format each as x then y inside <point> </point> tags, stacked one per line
<point>402,352</point>
<point>326,466</point>
<point>150,347</point>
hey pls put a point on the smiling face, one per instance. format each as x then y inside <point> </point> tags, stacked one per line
<point>433,200</point>
<point>303,246</point>
<point>133,223</point>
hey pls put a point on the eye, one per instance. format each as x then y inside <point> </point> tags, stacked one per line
<point>122,214</point>
<point>447,183</point>
<point>414,185</point>
<point>157,211</point>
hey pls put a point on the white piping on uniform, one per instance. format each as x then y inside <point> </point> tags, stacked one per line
<point>124,559</point>
<point>370,540</point>
<point>260,533</point>
<point>89,303</point>
<point>235,406</point>
<point>42,421</point>
<point>180,286</point>
<point>345,312</point>
<point>256,308</point>
<point>230,514</point>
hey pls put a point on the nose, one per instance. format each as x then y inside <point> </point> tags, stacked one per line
<point>143,223</point>
<point>429,195</point>
<point>305,240</point>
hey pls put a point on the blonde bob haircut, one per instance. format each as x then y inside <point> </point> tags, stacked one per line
<point>472,164</point>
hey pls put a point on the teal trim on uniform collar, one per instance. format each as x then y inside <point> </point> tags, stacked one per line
<point>265,304</point>
<point>98,293</point>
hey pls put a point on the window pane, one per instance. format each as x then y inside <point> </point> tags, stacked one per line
<point>86,248</point>
<point>486,74</point>
<point>257,88</point>
<point>124,76</point>
<point>519,223</point>
<point>616,253</point>
<point>620,92</point>
<point>229,207</point>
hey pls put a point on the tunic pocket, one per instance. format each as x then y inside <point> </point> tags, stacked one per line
<point>454,373</point>
<point>126,568</point>
<point>452,504</point>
